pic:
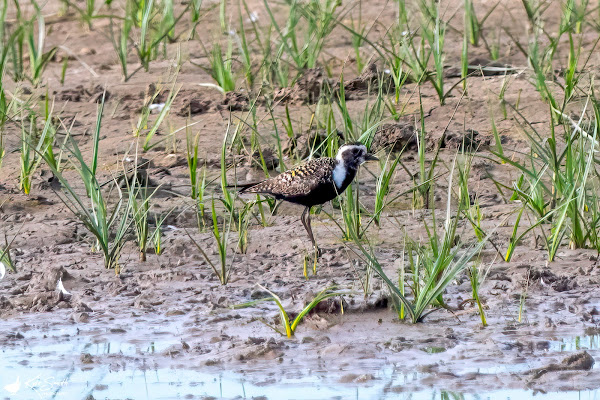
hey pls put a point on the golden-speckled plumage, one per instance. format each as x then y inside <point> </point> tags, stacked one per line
<point>308,184</point>
<point>314,182</point>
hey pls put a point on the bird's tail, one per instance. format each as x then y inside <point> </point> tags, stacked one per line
<point>242,187</point>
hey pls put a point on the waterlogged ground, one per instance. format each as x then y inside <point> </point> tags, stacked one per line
<point>158,359</point>
<point>165,328</point>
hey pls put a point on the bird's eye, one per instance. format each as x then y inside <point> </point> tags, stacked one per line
<point>355,151</point>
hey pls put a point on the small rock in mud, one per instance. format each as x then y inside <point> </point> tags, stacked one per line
<point>306,89</point>
<point>172,313</point>
<point>5,304</point>
<point>80,306</point>
<point>259,294</point>
<point>255,341</point>
<point>332,305</point>
<point>98,93</point>
<point>356,378</point>
<point>396,136</point>
<point>582,361</point>
<point>15,336</point>
<point>546,277</point>
<point>592,330</point>
<point>75,95</point>
<point>80,317</point>
<point>173,350</point>
<point>146,301</point>
<point>269,350</point>
<point>377,300</point>
<point>46,181</point>
<point>86,358</point>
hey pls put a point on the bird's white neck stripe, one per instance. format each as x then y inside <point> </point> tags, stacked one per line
<point>339,174</point>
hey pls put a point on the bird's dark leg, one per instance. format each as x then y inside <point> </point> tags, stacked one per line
<point>306,222</point>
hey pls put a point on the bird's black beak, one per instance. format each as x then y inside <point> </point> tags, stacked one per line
<point>371,157</point>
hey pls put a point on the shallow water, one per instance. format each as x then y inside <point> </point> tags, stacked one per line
<point>46,371</point>
<point>576,343</point>
<point>56,360</point>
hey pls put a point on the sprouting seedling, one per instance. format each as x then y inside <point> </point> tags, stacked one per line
<point>164,111</point>
<point>35,144</point>
<point>38,60</point>
<point>476,278</point>
<point>221,66</point>
<point>383,186</point>
<point>121,42</point>
<point>358,38</point>
<point>319,18</point>
<point>558,175</point>
<point>523,296</point>
<point>288,324</point>
<point>6,260</point>
<point>137,188</point>
<point>152,35</point>
<point>306,263</point>
<point>222,269</point>
<point>156,236</point>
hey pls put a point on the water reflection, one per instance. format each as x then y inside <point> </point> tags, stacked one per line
<point>39,379</point>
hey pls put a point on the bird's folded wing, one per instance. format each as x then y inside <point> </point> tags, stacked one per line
<point>299,181</point>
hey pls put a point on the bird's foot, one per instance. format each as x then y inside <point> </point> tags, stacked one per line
<point>318,252</point>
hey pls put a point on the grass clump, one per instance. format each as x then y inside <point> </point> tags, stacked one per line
<point>290,324</point>
<point>108,223</point>
<point>139,200</point>
<point>221,66</point>
<point>556,182</point>
<point>222,268</point>
<point>5,257</point>
<point>432,266</point>
<point>35,145</point>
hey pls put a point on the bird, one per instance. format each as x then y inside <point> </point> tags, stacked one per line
<point>314,182</point>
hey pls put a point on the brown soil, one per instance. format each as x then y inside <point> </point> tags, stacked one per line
<point>175,298</point>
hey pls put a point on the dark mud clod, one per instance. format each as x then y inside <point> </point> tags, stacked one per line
<point>582,361</point>
<point>306,90</point>
<point>395,137</point>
